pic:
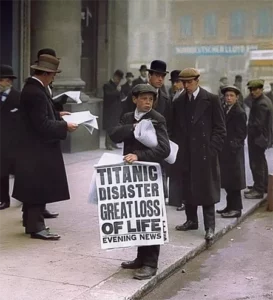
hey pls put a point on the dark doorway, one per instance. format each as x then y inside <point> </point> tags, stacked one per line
<point>6,31</point>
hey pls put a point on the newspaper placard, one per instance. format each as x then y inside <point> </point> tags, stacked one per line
<point>131,205</point>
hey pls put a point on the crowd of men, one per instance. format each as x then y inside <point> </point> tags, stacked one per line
<point>209,129</point>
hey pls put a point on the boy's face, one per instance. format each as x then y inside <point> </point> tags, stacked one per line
<point>144,102</point>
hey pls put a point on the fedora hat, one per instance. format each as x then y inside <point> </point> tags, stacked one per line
<point>175,75</point>
<point>129,74</point>
<point>189,73</point>
<point>158,66</point>
<point>119,74</point>
<point>6,72</point>
<point>47,63</point>
<point>143,68</point>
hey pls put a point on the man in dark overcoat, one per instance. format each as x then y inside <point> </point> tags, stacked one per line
<point>199,130</point>
<point>40,176</point>
<point>143,96</point>
<point>9,128</point>
<point>232,157</point>
<point>270,93</point>
<point>157,74</point>
<point>112,106</point>
<point>177,86</point>
<point>128,85</point>
<point>142,77</point>
<point>260,137</point>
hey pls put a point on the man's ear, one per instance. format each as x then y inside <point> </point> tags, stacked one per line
<point>134,99</point>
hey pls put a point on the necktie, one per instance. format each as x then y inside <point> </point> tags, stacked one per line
<point>4,96</point>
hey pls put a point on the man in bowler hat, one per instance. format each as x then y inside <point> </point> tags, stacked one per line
<point>143,96</point>
<point>40,176</point>
<point>199,130</point>
<point>9,130</point>
<point>177,86</point>
<point>127,86</point>
<point>142,77</point>
<point>112,106</point>
<point>260,137</point>
<point>232,157</point>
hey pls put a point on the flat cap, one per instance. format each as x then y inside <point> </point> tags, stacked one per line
<point>189,73</point>
<point>143,88</point>
<point>230,88</point>
<point>255,83</point>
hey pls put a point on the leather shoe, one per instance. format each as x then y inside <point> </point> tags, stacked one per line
<point>132,264</point>
<point>45,235</point>
<point>145,272</point>
<point>232,214</point>
<point>254,195</point>
<point>221,211</point>
<point>4,205</point>
<point>181,208</point>
<point>189,225</point>
<point>209,234</point>
<point>46,228</point>
<point>49,215</point>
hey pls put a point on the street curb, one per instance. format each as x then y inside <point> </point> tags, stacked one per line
<point>151,284</point>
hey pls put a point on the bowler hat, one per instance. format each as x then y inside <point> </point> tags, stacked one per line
<point>230,88</point>
<point>6,72</point>
<point>47,51</point>
<point>47,63</point>
<point>189,73</point>
<point>119,74</point>
<point>129,74</point>
<point>143,88</point>
<point>158,66</point>
<point>255,83</point>
<point>143,68</point>
<point>175,75</point>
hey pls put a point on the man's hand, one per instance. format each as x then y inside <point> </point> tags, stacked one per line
<point>130,158</point>
<point>72,126</point>
<point>64,113</point>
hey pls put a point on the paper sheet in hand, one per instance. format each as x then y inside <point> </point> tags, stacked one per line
<point>145,133</point>
<point>84,118</point>
<point>74,95</point>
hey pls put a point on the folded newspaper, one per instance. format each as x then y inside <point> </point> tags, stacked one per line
<point>145,133</point>
<point>84,118</point>
<point>74,95</point>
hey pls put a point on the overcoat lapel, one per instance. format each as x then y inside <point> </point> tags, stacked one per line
<point>202,102</point>
<point>231,113</point>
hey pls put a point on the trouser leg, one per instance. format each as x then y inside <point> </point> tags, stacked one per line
<point>191,213</point>
<point>33,218</point>
<point>209,216</point>
<point>234,200</point>
<point>4,190</point>
<point>148,255</point>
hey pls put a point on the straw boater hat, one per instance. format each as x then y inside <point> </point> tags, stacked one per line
<point>189,73</point>
<point>47,63</point>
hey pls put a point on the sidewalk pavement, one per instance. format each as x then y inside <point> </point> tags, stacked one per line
<point>75,268</point>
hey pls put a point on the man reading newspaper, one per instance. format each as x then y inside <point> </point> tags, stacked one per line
<point>144,97</point>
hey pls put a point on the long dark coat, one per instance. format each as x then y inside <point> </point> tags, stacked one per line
<point>197,166</point>
<point>139,81</point>
<point>124,132</point>
<point>260,123</point>
<point>40,175</point>
<point>111,105</point>
<point>232,157</point>
<point>9,131</point>
<point>163,105</point>
<point>125,89</point>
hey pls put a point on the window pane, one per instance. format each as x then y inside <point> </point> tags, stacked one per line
<point>210,25</point>
<point>237,24</point>
<point>186,26</point>
<point>265,22</point>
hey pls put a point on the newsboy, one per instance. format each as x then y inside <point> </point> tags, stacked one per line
<point>232,157</point>
<point>199,130</point>
<point>9,130</point>
<point>40,175</point>
<point>143,97</point>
